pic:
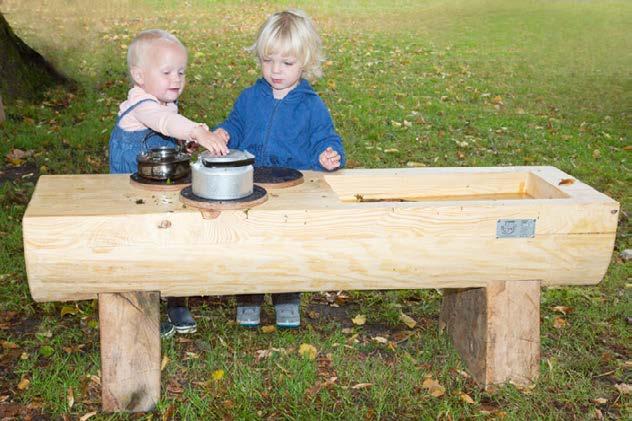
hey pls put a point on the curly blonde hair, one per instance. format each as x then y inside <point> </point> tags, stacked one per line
<point>291,32</point>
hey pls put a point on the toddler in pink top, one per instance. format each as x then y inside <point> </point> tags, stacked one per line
<point>149,118</point>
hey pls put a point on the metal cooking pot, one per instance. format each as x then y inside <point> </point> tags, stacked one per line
<point>227,177</point>
<point>163,163</point>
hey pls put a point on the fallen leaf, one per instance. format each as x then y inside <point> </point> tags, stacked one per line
<point>218,375</point>
<point>359,320</point>
<point>9,345</point>
<point>408,321</point>
<point>70,396</point>
<point>466,398</point>
<point>191,355</point>
<point>380,339</point>
<point>164,362</point>
<point>564,310</point>
<point>308,351</point>
<point>566,181</point>
<point>72,310</point>
<point>268,329</point>
<point>600,401</point>
<point>433,387</point>
<point>87,416</point>
<point>497,100</point>
<point>623,388</point>
<point>362,385</point>
<point>347,330</point>
<point>596,154</point>
<point>24,383</point>
<point>414,164</point>
<point>559,323</point>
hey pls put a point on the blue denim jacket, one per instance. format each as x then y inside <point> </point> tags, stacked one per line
<point>291,132</point>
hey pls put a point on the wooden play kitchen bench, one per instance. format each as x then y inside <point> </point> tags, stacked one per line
<point>489,237</point>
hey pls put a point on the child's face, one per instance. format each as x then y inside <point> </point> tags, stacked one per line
<point>162,72</point>
<point>282,72</point>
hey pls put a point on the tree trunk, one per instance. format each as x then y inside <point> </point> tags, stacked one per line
<point>24,73</point>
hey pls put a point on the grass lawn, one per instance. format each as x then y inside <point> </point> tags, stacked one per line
<point>409,83</point>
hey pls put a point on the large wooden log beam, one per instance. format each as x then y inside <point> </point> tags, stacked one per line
<point>496,330</point>
<point>375,229</point>
<point>130,351</point>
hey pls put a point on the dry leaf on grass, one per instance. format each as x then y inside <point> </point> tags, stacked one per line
<point>164,362</point>
<point>623,388</point>
<point>407,320</point>
<point>466,398</point>
<point>359,320</point>
<point>564,310</point>
<point>308,351</point>
<point>87,416</point>
<point>70,396</point>
<point>362,385</point>
<point>72,310</point>
<point>268,329</point>
<point>24,384</point>
<point>559,323</point>
<point>433,387</point>
<point>9,345</point>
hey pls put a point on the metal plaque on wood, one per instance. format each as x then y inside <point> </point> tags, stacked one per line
<point>515,228</point>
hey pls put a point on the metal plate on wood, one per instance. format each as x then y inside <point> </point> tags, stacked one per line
<point>515,228</point>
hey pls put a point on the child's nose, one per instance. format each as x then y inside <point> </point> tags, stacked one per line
<point>276,67</point>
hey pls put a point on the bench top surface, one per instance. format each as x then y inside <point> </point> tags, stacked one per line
<point>105,194</point>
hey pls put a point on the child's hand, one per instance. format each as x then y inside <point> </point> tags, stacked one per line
<point>223,134</point>
<point>211,141</point>
<point>329,159</point>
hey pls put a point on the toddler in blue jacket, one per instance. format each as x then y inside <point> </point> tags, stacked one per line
<point>284,123</point>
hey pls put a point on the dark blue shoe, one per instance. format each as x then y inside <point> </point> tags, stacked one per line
<point>167,330</point>
<point>181,319</point>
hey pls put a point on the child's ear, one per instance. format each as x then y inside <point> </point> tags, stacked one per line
<point>137,75</point>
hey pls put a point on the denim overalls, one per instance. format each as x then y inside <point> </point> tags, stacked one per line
<point>125,146</point>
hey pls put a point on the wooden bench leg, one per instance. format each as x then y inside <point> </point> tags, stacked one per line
<point>496,330</point>
<point>130,351</point>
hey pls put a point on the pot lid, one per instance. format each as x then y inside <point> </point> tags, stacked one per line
<point>234,158</point>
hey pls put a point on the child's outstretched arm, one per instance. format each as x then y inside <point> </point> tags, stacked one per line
<point>327,150</point>
<point>166,120</point>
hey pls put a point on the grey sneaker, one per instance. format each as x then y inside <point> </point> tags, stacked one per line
<point>181,319</point>
<point>167,330</point>
<point>249,316</point>
<point>288,315</point>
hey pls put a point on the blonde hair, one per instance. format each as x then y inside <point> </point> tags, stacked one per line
<point>145,40</point>
<point>291,32</point>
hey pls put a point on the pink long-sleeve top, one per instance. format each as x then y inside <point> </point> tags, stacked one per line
<point>161,118</point>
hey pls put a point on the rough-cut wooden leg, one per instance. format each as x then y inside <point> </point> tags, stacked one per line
<point>496,330</point>
<point>130,350</point>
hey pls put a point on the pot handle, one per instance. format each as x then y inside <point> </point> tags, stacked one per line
<point>240,163</point>
<point>144,148</point>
